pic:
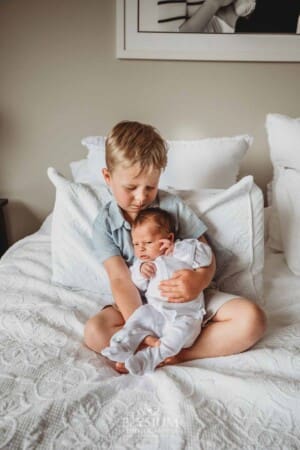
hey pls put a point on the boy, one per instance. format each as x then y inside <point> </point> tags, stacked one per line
<point>135,156</point>
<point>176,325</point>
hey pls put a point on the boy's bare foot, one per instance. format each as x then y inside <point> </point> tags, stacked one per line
<point>120,367</point>
<point>176,359</point>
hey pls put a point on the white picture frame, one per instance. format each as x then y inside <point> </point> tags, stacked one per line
<point>135,44</point>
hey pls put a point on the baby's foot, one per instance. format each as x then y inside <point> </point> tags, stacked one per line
<point>115,353</point>
<point>144,361</point>
<point>135,365</point>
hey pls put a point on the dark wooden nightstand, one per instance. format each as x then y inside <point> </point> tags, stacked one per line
<point>3,234</point>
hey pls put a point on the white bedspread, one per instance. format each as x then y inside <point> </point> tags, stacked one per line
<point>57,394</point>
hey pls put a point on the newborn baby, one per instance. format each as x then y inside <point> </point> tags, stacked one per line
<point>175,325</point>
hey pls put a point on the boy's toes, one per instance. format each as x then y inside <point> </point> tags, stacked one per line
<point>120,367</point>
<point>172,360</point>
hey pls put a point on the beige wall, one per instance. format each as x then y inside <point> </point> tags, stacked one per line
<point>60,81</point>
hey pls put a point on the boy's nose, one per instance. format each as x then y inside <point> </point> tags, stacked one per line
<point>140,199</point>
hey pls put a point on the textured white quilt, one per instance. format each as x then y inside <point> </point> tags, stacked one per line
<point>57,394</point>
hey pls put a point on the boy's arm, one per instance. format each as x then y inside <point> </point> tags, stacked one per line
<point>124,291</point>
<point>185,285</point>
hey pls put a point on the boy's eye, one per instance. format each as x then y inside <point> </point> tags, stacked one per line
<point>132,188</point>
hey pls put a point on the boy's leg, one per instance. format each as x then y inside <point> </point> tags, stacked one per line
<point>100,328</point>
<point>237,325</point>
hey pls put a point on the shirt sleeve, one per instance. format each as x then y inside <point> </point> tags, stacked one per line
<point>103,242</point>
<point>193,252</point>
<point>188,224</point>
<point>202,256</point>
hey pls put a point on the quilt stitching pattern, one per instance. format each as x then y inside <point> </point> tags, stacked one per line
<point>57,394</point>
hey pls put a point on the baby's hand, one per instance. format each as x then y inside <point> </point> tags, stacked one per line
<point>166,246</point>
<point>148,270</point>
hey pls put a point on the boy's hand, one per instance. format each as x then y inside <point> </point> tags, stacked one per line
<point>166,246</point>
<point>185,285</point>
<point>148,270</point>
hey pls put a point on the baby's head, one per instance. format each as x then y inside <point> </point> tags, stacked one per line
<point>149,227</point>
<point>133,143</point>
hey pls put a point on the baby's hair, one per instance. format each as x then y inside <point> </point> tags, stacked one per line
<point>162,218</point>
<point>131,143</point>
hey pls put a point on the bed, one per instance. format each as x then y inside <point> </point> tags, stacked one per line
<point>55,393</point>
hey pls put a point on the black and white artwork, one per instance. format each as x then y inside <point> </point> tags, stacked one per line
<point>219,16</point>
<point>209,30</point>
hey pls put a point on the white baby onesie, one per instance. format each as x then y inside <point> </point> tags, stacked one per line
<point>177,325</point>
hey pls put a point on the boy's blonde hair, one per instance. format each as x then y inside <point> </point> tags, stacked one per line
<point>131,143</point>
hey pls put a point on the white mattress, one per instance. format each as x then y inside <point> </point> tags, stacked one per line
<point>57,394</point>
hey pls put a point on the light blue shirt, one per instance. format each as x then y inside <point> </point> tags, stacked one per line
<point>112,233</point>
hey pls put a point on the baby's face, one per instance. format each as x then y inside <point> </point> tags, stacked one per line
<point>146,241</point>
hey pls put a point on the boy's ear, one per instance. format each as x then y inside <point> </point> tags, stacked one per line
<point>106,175</point>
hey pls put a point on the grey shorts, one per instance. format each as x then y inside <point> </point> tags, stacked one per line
<point>214,299</point>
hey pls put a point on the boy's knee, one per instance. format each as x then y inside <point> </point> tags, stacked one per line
<point>92,334</point>
<point>254,322</point>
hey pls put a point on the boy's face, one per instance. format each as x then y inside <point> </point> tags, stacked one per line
<point>146,241</point>
<point>132,189</point>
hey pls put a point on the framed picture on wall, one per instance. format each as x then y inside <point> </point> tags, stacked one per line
<point>209,30</point>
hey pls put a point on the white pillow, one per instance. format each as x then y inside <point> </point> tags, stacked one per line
<point>235,220</point>
<point>81,172</point>
<point>88,170</point>
<point>74,264</point>
<point>234,217</point>
<point>283,136</point>
<point>287,193</point>
<point>204,163</point>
